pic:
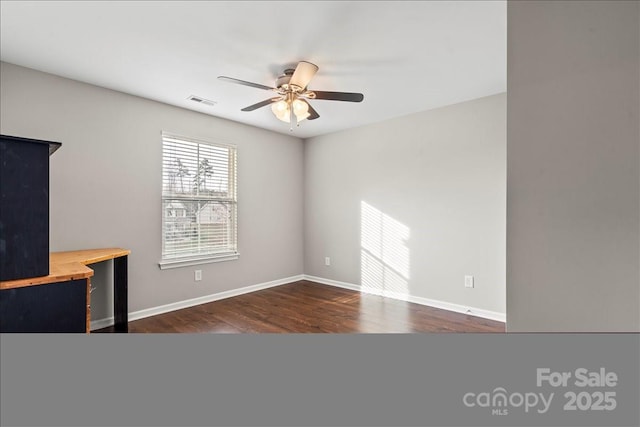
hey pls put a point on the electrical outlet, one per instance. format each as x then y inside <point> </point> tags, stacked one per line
<point>468,281</point>
<point>197,275</point>
<point>327,261</point>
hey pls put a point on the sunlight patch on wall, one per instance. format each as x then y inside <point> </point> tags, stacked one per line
<point>384,253</point>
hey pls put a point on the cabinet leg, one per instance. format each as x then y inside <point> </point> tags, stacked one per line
<point>120,293</point>
<point>88,306</point>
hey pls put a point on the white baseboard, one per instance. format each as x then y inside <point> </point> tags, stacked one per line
<point>141,314</point>
<point>472,311</point>
<point>101,323</point>
<point>148,312</point>
<point>332,282</point>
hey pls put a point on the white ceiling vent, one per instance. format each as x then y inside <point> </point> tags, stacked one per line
<point>201,100</point>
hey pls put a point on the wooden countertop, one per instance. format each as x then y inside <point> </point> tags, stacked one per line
<point>70,265</point>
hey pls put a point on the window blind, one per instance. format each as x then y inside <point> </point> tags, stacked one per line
<point>199,203</point>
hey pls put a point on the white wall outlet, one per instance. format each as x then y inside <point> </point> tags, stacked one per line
<point>327,260</point>
<point>197,275</point>
<point>468,281</point>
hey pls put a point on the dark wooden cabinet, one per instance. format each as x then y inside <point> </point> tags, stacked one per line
<point>52,307</point>
<point>42,291</point>
<point>24,207</point>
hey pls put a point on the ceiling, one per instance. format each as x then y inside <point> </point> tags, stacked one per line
<point>404,57</point>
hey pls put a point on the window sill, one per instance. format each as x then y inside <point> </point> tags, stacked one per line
<point>185,262</point>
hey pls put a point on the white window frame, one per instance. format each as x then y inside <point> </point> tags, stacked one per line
<point>233,253</point>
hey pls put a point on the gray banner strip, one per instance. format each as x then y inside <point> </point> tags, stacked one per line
<point>314,380</point>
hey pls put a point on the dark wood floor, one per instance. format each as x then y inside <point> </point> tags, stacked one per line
<point>308,307</point>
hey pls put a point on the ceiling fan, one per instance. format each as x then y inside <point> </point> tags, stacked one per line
<point>293,95</point>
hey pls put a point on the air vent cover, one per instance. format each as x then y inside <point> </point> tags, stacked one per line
<point>201,100</point>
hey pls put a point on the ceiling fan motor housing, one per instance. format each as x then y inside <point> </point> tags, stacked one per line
<point>284,78</point>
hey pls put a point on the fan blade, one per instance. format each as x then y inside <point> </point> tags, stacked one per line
<point>261,104</point>
<point>313,114</point>
<point>303,74</point>
<point>338,96</point>
<point>242,82</point>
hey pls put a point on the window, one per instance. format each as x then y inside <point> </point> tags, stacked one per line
<point>199,206</point>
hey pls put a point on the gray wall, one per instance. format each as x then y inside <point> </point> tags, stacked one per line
<point>573,166</point>
<point>106,185</point>
<point>434,184</point>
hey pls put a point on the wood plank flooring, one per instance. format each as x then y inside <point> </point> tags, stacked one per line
<point>308,307</point>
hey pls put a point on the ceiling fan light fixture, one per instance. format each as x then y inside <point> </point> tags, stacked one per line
<point>281,110</point>
<point>300,107</point>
